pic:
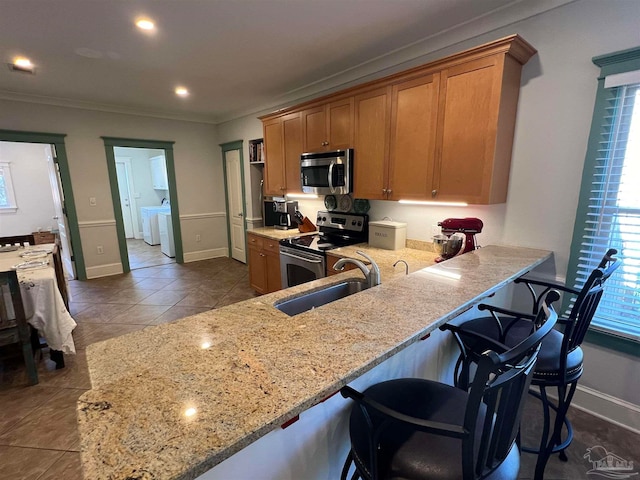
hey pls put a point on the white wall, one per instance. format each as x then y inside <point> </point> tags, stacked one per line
<point>198,174</point>
<point>30,175</point>
<point>553,121</point>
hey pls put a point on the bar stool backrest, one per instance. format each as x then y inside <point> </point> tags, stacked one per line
<point>499,387</point>
<point>587,301</point>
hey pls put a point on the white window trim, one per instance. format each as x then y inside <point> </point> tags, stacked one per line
<point>5,167</point>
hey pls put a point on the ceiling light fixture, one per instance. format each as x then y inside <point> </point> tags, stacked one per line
<point>181,91</point>
<point>145,24</point>
<point>22,64</point>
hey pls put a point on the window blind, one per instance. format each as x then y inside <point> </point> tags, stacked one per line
<point>612,217</point>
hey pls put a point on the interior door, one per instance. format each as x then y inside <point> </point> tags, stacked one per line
<point>60,216</point>
<point>125,198</point>
<point>235,216</point>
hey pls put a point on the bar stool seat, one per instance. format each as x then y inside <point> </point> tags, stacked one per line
<point>414,454</point>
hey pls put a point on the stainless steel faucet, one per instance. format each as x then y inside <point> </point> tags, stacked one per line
<point>372,275</point>
<point>406,266</point>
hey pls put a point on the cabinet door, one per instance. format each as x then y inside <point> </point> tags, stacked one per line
<point>273,272</point>
<point>292,129</point>
<point>274,166</point>
<point>371,143</point>
<point>314,129</point>
<point>414,115</point>
<point>340,124</point>
<point>469,108</point>
<point>257,270</point>
<point>159,178</point>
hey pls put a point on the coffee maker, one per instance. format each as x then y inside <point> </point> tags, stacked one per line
<point>449,244</point>
<point>285,212</point>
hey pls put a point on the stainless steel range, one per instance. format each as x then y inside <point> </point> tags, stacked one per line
<point>303,259</point>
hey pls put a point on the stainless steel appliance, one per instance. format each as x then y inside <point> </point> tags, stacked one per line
<point>286,214</point>
<point>303,258</point>
<point>327,173</point>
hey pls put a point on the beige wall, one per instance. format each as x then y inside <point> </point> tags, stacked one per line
<point>198,174</point>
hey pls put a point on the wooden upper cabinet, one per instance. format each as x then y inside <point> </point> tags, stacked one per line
<point>414,115</point>
<point>283,147</point>
<point>274,179</point>
<point>442,131</point>
<point>371,143</point>
<point>476,124</point>
<point>328,127</point>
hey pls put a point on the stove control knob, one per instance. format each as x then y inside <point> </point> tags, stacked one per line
<point>359,223</point>
<point>324,219</point>
<point>353,222</point>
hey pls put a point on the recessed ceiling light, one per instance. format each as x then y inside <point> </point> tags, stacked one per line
<point>145,24</point>
<point>22,64</point>
<point>181,91</point>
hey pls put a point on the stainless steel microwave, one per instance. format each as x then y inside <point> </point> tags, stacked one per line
<point>327,173</point>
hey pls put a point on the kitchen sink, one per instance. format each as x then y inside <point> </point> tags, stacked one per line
<point>329,294</point>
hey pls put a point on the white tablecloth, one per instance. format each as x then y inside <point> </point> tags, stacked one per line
<point>43,304</point>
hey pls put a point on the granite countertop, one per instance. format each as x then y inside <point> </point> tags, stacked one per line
<point>276,234</point>
<point>172,401</point>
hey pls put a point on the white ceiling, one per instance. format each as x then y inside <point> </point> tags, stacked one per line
<point>234,56</point>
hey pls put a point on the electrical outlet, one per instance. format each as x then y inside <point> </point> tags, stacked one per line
<point>197,238</point>
<point>100,249</point>
<point>92,201</point>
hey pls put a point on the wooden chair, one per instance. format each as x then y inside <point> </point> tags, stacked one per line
<point>411,428</point>
<point>13,324</point>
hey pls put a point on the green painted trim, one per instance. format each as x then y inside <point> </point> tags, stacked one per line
<point>175,210</point>
<point>226,147</point>
<point>109,144</point>
<point>117,212</point>
<point>136,143</point>
<point>613,342</point>
<point>71,212</point>
<point>57,139</point>
<point>31,137</point>
<point>617,62</point>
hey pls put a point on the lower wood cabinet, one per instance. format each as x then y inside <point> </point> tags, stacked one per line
<point>331,261</point>
<point>264,264</point>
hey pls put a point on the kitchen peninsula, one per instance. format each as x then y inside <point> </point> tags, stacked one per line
<point>174,401</point>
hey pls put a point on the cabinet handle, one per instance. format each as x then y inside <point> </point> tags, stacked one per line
<point>434,193</point>
<point>262,255</point>
<point>389,192</point>
<point>384,190</point>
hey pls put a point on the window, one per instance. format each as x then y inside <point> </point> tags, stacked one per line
<point>609,208</point>
<point>7,197</point>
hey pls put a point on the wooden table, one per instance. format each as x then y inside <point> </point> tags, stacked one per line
<point>45,307</point>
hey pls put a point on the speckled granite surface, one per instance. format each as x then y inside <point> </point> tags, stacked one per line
<point>172,401</point>
<point>275,234</point>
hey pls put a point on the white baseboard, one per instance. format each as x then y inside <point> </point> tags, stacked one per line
<point>205,254</point>
<point>612,409</point>
<point>104,270</point>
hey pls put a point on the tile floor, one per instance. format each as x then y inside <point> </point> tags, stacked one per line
<point>38,435</point>
<point>142,255</point>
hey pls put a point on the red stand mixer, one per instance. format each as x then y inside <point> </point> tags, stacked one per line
<point>449,245</point>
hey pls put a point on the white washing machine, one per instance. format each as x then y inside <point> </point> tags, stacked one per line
<point>165,228</point>
<point>150,230</point>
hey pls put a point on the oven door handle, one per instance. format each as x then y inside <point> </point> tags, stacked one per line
<point>300,258</point>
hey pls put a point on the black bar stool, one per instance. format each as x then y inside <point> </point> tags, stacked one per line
<point>560,361</point>
<point>414,429</point>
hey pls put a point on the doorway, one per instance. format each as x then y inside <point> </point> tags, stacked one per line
<point>235,200</point>
<point>142,178</point>
<point>53,197</point>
